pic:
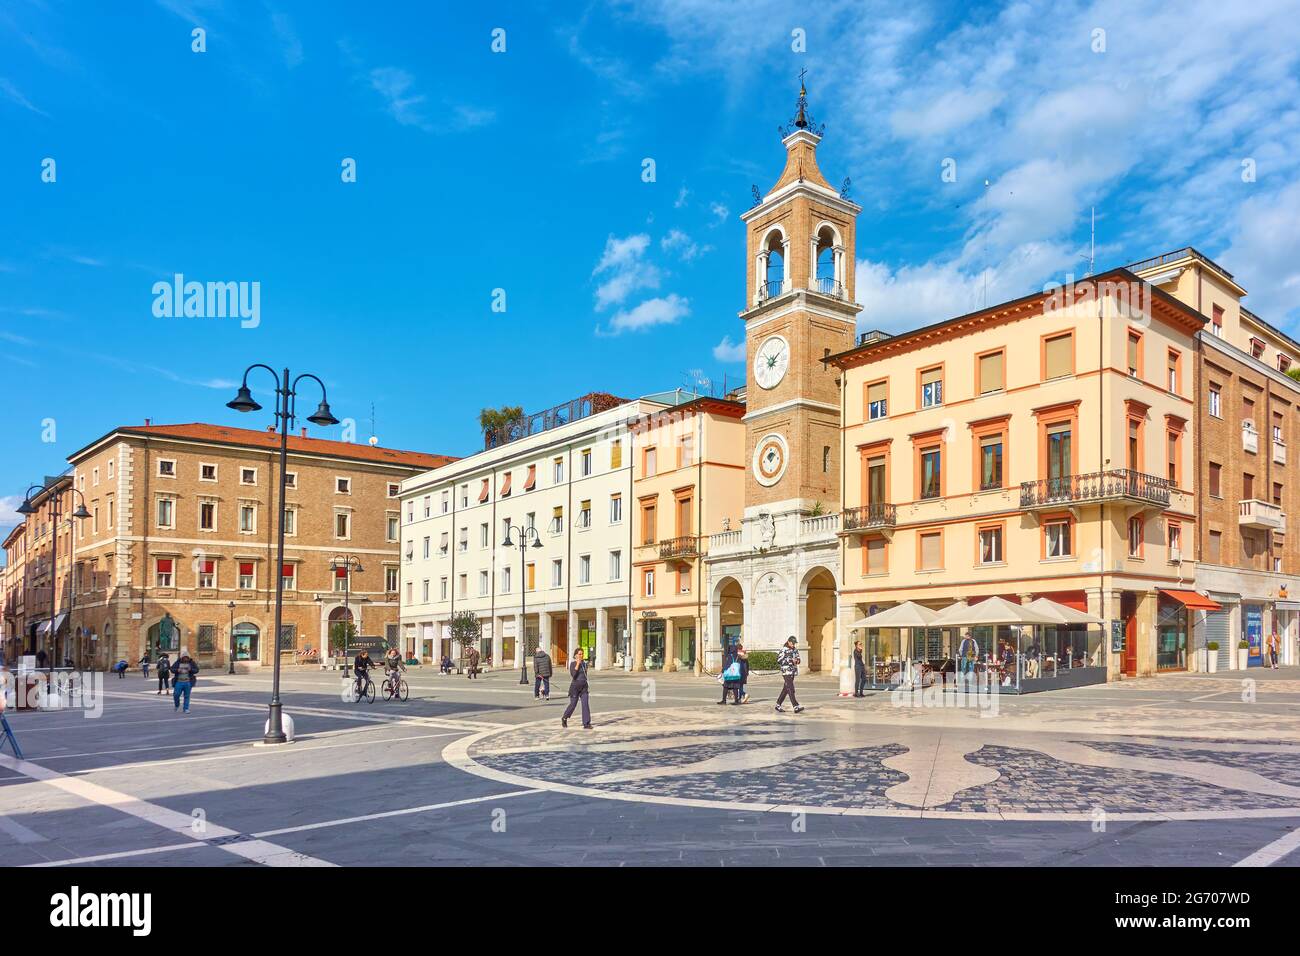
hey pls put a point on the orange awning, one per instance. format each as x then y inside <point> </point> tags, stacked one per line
<point>1193,601</point>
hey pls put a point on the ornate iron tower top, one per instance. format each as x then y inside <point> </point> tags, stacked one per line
<point>802,118</point>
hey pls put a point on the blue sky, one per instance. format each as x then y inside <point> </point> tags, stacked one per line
<point>522,171</point>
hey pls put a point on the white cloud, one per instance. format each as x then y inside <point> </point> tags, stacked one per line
<point>665,310</point>
<point>680,201</point>
<point>395,86</point>
<point>625,269</point>
<point>9,516</point>
<point>729,351</point>
<point>15,95</point>
<point>720,213</point>
<point>1265,254</point>
<point>290,44</point>
<point>682,246</point>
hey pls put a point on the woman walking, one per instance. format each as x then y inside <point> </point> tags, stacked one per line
<point>578,690</point>
<point>184,673</point>
<point>144,664</point>
<point>164,672</point>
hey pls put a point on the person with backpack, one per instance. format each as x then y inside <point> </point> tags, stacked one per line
<point>730,676</point>
<point>184,674</point>
<point>164,672</point>
<point>542,671</point>
<point>787,661</point>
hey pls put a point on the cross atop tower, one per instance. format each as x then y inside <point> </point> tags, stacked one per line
<point>802,118</point>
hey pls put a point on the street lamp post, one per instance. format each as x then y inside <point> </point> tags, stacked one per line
<point>286,396</point>
<point>349,564</point>
<point>231,635</point>
<point>521,541</point>
<point>80,513</point>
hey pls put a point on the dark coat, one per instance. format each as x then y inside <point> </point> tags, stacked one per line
<point>578,671</point>
<point>542,664</point>
<point>859,665</point>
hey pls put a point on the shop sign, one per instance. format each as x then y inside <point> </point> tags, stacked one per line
<point>1117,635</point>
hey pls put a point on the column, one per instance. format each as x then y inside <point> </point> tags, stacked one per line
<point>785,265</point>
<point>498,638</point>
<point>760,275</point>
<point>839,270</point>
<point>519,641</point>
<point>812,263</point>
<point>602,636</point>
<point>711,637</point>
<point>670,644</point>
<point>545,633</point>
<point>801,633</point>
<point>637,632</point>
<point>573,633</point>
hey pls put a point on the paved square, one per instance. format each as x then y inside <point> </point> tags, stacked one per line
<point>1179,770</point>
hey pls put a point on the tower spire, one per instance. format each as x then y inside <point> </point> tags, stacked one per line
<point>802,118</point>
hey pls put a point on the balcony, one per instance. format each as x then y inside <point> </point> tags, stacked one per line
<point>817,526</point>
<point>1279,453</point>
<point>873,517</point>
<point>687,546</point>
<point>1260,515</point>
<point>1116,484</point>
<point>1249,440</point>
<point>771,289</point>
<point>829,287</point>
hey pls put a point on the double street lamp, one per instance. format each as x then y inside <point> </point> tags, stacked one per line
<point>526,535</point>
<point>25,509</point>
<point>286,398</point>
<point>231,635</point>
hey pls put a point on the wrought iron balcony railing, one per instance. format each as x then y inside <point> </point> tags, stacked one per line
<point>869,517</point>
<point>687,546</point>
<point>1116,484</point>
<point>771,289</point>
<point>830,287</point>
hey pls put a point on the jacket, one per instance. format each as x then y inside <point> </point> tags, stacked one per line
<point>185,672</point>
<point>787,659</point>
<point>542,664</point>
<point>859,664</point>
<point>578,671</point>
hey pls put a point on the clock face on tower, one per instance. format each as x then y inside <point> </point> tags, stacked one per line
<point>771,454</point>
<point>771,361</point>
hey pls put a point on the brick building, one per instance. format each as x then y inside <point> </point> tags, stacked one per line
<point>182,526</point>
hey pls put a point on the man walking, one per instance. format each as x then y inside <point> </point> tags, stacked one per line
<point>473,662</point>
<point>164,672</point>
<point>578,690</point>
<point>787,660</point>
<point>184,673</point>
<point>542,674</point>
<point>859,671</point>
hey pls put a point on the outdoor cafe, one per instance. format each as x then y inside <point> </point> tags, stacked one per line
<point>993,642</point>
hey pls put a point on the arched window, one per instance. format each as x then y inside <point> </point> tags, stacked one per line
<point>245,640</point>
<point>827,277</point>
<point>775,279</point>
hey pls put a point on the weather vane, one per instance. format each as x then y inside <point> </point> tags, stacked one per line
<point>802,118</point>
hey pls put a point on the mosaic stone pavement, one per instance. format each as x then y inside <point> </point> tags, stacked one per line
<point>884,760</point>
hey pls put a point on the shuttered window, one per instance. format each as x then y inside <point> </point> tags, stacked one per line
<point>483,491</point>
<point>992,375</point>
<point>875,563</point>
<point>931,551</point>
<point>1134,354</point>
<point>616,454</point>
<point>1058,356</point>
<point>877,401</point>
<point>932,387</point>
<point>531,481</point>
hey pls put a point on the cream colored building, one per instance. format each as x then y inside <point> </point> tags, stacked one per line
<point>566,472</point>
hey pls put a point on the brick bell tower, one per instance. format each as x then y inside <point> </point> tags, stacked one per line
<point>800,307</point>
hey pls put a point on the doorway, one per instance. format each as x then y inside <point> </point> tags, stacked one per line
<point>1128,613</point>
<point>560,639</point>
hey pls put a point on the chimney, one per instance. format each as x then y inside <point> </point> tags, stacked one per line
<point>146,423</point>
<point>304,431</point>
<point>271,429</point>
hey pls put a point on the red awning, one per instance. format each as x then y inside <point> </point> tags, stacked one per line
<point>505,485</point>
<point>483,492</point>
<point>1193,601</point>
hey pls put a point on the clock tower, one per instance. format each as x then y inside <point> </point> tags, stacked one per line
<point>800,308</point>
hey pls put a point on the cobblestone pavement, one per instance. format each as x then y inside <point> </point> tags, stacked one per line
<point>1175,770</point>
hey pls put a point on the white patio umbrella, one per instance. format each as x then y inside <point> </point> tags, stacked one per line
<point>992,611</point>
<point>907,614</point>
<point>1063,612</point>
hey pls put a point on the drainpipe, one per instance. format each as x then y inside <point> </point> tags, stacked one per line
<point>699,530</point>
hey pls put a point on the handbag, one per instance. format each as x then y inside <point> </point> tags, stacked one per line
<point>732,672</point>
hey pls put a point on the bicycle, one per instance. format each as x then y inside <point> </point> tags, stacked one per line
<point>395,686</point>
<point>359,693</point>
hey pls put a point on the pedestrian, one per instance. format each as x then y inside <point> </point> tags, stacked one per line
<point>730,676</point>
<point>787,660</point>
<point>743,655</point>
<point>578,691</point>
<point>968,651</point>
<point>121,667</point>
<point>542,671</point>
<point>144,664</point>
<point>473,662</point>
<point>859,671</point>
<point>184,673</point>
<point>1273,643</point>
<point>41,658</point>
<point>164,672</point>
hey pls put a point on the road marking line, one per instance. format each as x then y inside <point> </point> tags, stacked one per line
<point>397,813</point>
<point>18,831</point>
<point>1273,852</point>
<point>124,854</point>
<point>179,823</point>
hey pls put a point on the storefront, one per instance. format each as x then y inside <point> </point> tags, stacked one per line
<point>1286,621</point>
<point>1171,634</point>
<point>654,632</point>
<point>246,638</point>
<point>1252,632</point>
<point>685,652</point>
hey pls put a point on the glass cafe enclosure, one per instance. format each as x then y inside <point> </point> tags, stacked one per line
<point>1019,648</point>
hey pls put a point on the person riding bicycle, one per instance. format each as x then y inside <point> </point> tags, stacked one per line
<point>361,667</point>
<point>393,663</point>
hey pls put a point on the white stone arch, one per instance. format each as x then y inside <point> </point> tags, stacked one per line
<point>255,621</point>
<point>329,607</point>
<point>182,634</point>
<point>837,257</point>
<point>761,261</point>
<point>712,642</point>
<point>822,639</point>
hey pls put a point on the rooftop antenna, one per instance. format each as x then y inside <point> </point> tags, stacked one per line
<point>374,439</point>
<point>985,304</point>
<point>1092,244</point>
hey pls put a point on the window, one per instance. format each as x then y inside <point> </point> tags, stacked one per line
<point>464,496</point>
<point>686,451</point>
<point>1247,486</point>
<point>343,524</point>
<point>505,580</point>
<point>505,528</point>
<point>991,461</point>
<point>1216,547</point>
<point>1283,362</point>
<point>584,514</point>
<point>505,485</point>
<point>530,480</point>
<point>248,476</point>
<point>428,505</point>
<point>1257,349</point>
<point>462,543</point>
<point>1135,533</point>
<point>207,516</point>
<point>877,400</point>
<point>110,468</point>
<point>530,576</point>
<point>247,577</point>
<point>683,516</point>
<point>390,580</point>
<point>1175,541</point>
<point>393,489</point>
<point>462,585</point>
<point>557,519</point>
<point>932,387</point>
<point>207,573</point>
<point>1135,354</point>
<point>291,479</point>
<point>584,569</point>
<point>1216,401</point>
<point>112,514</point>
<point>990,372</point>
<point>615,509</point>
<point>444,543</point>
<point>342,580</point>
<point>207,472</point>
<point>426,547</point>
<point>557,573</point>
<point>684,580</point>
<point>1173,443</point>
<point>166,512</point>
<point>166,468</point>
<point>875,556</point>
<point>410,592</point>
<point>1216,321</point>
<point>410,512</point>
<point>648,461</point>
<point>616,565</point>
<point>990,545</point>
<point>930,551</point>
<point>586,462</point>
<point>1058,356</point>
<point>557,471</point>
<point>826,459</point>
<point>482,584</point>
<point>931,472</point>
<point>1175,380</point>
<point>649,529</point>
<point>94,477</point>
<point>1060,453</point>
<point>288,577</point>
<point>446,501</point>
<point>484,489</point>
<point>616,453</point>
<point>94,518</point>
<point>483,535</point>
<point>163,572</point>
<point>291,521</point>
<point>1277,493</point>
<point>1216,480</point>
<point>648,584</point>
<point>1057,541</point>
<point>392,525</point>
<point>530,520</point>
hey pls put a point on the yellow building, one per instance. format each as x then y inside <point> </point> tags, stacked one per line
<point>1040,447</point>
<point>688,483</point>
